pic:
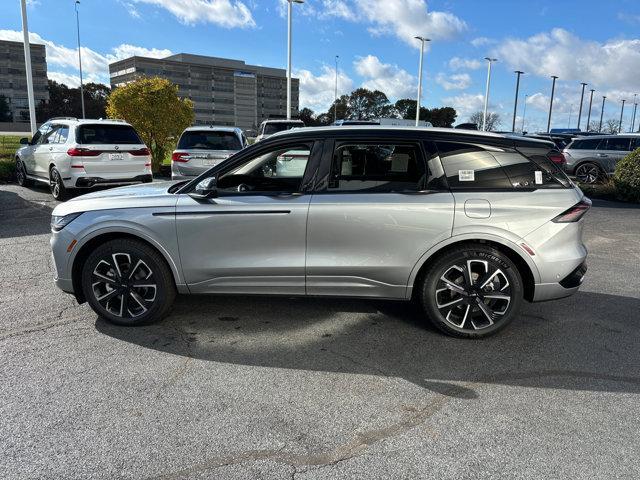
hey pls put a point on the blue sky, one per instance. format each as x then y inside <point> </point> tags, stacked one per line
<point>591,41</point>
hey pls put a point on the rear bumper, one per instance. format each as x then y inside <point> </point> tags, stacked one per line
<point>88,182</point>
<point>564,288</point>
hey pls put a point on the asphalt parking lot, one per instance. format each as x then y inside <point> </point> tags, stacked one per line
<point>231,387</point>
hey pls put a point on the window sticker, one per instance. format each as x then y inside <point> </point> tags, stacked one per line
<point>538,174</point>
<point>466,175</point>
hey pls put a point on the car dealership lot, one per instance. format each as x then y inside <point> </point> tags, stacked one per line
<point>316,388</point>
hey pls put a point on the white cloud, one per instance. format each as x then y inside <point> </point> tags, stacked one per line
<point>225,13</point>
<point>614,63</point>
<point>390,79</point>
<point>69,80</point>
<point>317,91</point>
<point>458,81</point>
<point>457,63</point>
<point>337,8</point>
<point>466,104</point>
<point>95,65</point>
<point>481,42</point>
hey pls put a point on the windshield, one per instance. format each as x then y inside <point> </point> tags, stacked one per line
<point>271,128</point>
<point>108,134</point>
<point>209,140</point>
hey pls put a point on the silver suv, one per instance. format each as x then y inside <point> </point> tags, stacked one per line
<point>467,224</point>
<point>201,148</point>
<point>269,127</point>
<point>594,158</point>
<point>68,154</point>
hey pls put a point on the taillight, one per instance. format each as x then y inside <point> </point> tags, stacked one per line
<point>179,157</point>
<point>141,152</point>
<point>557,158</point>
<point>83,152</point>
<point>574,213</point>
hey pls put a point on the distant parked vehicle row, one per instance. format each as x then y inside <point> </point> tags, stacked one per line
<point>70,154</point>
<point>593,158</point>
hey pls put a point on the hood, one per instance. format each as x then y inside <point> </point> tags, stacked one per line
<point>155,194</point>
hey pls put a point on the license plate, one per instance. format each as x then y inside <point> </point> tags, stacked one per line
<point>116,156</point>
<point>209,163</point>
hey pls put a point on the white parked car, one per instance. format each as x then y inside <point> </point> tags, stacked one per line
<point>269,127</point>
<point>201,148</point>
<point>68,154</point>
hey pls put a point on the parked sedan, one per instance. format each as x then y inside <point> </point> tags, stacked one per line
<point>594,158</point>
<point>201,148</point>
<point>467,224</point>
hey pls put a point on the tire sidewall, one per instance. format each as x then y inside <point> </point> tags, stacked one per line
<point>461,256</point>
<point>62,191</point>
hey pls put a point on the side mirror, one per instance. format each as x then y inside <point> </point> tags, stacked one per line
<point>24,141</point>
<point>207,188</point>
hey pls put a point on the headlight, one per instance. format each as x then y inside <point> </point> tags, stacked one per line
<point>58,222</point>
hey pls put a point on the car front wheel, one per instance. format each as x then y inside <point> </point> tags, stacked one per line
<point>21,174</point>
<point>128,283</point>
<point>471,292</point>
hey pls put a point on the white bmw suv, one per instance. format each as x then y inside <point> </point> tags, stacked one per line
<point>68,154</point>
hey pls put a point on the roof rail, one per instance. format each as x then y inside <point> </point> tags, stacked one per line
<point>113,120</point>
<point>63,118</point>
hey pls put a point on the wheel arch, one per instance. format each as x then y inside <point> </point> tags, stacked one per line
<point>85,250</point>
<point>526,267</point>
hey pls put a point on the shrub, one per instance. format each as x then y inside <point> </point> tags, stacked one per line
<point>627,177</point>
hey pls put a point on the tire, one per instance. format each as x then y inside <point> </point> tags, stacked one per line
<point>21,174</point>
<point>137,290</point>
<point>589,172</point>
<point>58,190</point>
<point>471,311</point>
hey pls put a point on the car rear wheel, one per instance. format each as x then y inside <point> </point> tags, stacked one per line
<point>471,292</point>
<point>58,190</point>
<point>127,282</point>
<point>588,172</point>
<point>21,174</point>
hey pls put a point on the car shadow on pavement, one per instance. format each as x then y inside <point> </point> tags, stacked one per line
<point>585,342</point>
<point>21,217</point>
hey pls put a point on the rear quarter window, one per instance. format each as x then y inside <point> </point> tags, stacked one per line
<point>586,144</point>
<point>471,167</point>
<point>107,134</point>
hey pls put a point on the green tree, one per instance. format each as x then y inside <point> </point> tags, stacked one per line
<point>342,104</point>
<point>442,117</point>
<point>5,110</point>
<point>406,109</point>
<point>308,116</point>
<point>364,104</point>
<point>493,120</point>
<point>153,107</point>
<point>65,101</point>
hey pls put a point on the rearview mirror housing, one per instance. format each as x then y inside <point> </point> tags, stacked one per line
<point>24,141</point>
<point>207,188</point>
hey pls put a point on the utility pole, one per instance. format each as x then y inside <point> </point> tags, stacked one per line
<point>580,109</point>
<point>633,118</point>
<point>79,57</point>
<point>289,11</point>
<point>524,113</point>
<point>590,103</point>
<point>486,94</point>
<point>553,91</point>
<point>621,113</point>
<point>601,114</point>
<point>570,112</point>
<point>418,104</point>
<point>27,67</point>
<point>515,103</point>
<point>335,94</point>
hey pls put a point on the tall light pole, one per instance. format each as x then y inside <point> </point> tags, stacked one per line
<point>418,104</point>
<point>79,56</point>
<point>524,113</point>
<point>289,5</point>
<point>27,67</point>
<point>515,103</point>
<point>621,113</point>
<point>553,91</point>
<point>590,103</point>
<point>580,109</point>
<point>570,112</point>
<point>335,94</point>
<point>601,114</point>
<point>486,93</point>
<point>633,118</point>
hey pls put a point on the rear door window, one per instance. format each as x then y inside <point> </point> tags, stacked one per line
<point>471,167</point>
<point>107,134</point>
<point>209,140</point>
<point>618,144</point>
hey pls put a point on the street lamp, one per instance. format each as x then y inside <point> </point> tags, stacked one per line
<point>601,114</point>
<point>553,91</point>
<point>486,94</point>
<point>570,112</point>
<point>422,40</point>
<point>79,56</point>
<point>580,110</point>
<point>515,103</point>
<point>289,5</point>
<point>633,118</point>
<point>335,94</point>
<point>621,113</point>
<point>524,113</point>
<point>590,103</point>
<point>27,67</point>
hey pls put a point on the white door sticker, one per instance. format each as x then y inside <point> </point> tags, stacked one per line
<point>538,175</point>
<point>466,175</point>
